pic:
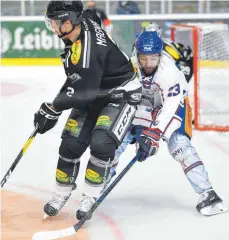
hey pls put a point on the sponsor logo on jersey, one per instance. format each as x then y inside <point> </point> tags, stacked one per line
<point>76,52</point>
<point>147,82</point>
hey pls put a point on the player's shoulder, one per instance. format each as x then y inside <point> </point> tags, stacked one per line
<point>168,71</point>
<point>171,49</point>
<point>94,34</point>
<point>91,14</point>
<point>134,59</point>
<point>167,64</point>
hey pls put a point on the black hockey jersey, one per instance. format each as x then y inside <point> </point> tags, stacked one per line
<point>182,56</point>
<point>93,63</point>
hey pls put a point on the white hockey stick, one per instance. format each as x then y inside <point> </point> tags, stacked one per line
<point>51,235</point>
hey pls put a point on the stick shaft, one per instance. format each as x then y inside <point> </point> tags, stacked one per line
<point>106,192</point>
<point>19,156</point>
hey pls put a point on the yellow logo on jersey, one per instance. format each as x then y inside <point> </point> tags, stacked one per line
<point>76,52</point>
<point>171,51</point>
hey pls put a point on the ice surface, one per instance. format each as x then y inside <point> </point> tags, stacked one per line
<point>153,201</point>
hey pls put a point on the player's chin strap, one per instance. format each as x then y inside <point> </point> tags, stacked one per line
<point>74,24</point>
<point>66,33</point>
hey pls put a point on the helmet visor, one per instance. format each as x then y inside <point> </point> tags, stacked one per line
<point>52,25</point>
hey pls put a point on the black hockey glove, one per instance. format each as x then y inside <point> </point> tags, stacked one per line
<point>149,142</point>
<point>46,118</point>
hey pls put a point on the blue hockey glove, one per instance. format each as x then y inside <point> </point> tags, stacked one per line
<point>149,142</point>
<point>136,131</point>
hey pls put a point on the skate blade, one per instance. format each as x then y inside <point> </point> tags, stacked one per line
<point>213,210</point>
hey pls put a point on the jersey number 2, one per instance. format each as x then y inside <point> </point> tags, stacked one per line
<point>70,91</point>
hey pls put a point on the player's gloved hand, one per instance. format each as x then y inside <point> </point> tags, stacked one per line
<point>46,117</point>
<point>136,131</point>
<point>149,142</point>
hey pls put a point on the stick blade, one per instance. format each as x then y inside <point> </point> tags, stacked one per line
<point>52,235</point>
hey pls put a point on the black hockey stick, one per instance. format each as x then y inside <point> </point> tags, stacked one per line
<point>51,235</point>
<point>20,155</point>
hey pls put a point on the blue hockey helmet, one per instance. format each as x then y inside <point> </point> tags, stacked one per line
<point>149,42</point>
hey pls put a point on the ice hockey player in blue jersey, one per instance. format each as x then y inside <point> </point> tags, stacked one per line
<point>182,55</point>
<point>165,114</point>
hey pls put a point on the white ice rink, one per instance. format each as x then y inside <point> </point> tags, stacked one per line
<point>153,201</point>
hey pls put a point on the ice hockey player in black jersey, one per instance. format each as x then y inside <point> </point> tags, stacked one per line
<point>182,56</point>
<point>101,89</point>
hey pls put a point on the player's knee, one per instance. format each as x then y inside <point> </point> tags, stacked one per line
<point>179,146</point>
<point>183,153</point>
<point>187,156</point>
<point>102,145</point>
<point>70,148</point>
<point>177,153</point>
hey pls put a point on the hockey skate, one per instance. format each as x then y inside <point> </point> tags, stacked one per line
<point>86,203</point>
<point>58,200</point>
<point>210,203</point>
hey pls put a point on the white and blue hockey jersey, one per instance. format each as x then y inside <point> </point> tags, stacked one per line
<point>168,88</point>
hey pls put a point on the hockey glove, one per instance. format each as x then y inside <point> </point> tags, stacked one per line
<point>46,117</point>
<point>136,131</point>
<point>149,142</point>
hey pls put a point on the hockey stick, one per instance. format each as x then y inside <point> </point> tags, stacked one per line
<point>20,155</point>
<point>25,147</point>
<point>51,235</point>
